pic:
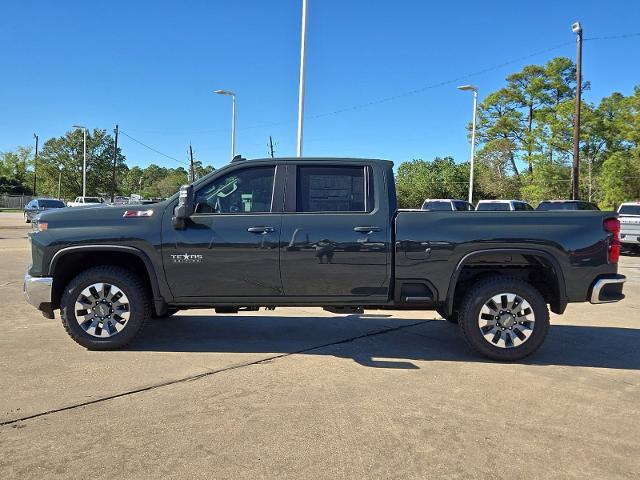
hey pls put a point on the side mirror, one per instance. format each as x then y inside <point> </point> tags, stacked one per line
<point>185,207</point>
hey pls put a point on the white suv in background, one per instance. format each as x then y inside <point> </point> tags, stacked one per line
<point>83,201</point>
<point>629,216</point>
<point>503,205</point>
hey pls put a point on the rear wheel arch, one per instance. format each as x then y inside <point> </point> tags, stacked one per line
<point>555,294</point>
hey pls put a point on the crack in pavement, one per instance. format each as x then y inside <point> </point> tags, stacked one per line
<point>198,376</point>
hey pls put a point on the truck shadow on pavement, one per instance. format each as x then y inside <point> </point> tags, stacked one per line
<point>378,342</point>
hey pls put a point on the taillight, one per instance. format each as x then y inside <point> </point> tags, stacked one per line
<point>612,225</point>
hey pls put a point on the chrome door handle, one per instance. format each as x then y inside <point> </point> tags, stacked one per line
<point>367,229</point>
<point>261,230</point>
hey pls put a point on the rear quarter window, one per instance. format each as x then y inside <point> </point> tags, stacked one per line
<point>437,206</point>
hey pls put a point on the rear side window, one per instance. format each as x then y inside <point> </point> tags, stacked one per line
<point>333,189</point>
<point>461,206</point>
<point>436,206</point>
<point>493,207</point>
<point>522,206</point>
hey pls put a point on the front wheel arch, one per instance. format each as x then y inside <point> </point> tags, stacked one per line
<point>70,261</point>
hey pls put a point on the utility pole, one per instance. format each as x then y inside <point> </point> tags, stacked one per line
<point>115,158</point>
<point>575,171</point>
<point>271,151</point>
<point>193,172</point>
<point>35,166</point>
<point>303,43</point>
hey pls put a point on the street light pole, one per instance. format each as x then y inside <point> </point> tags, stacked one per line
<point>473,136</point>
<point>575,171</point>
<point>233,118</point>
<point>84,159</point>
<point>59,180</point>
<point>303,44</point>
<point>35,166</point>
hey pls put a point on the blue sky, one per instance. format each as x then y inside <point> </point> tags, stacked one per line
<point>151,67</point>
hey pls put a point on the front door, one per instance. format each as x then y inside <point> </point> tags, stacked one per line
<point>230,245</point>
<point>335,235</point>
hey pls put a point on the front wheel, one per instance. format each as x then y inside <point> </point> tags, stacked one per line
<point>504,318</point>
<point>104,308</point>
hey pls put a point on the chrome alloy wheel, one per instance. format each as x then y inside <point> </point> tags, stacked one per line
<point>506,320</point>
<point>102,310</point>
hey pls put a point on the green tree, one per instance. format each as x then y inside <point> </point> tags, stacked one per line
<point>61,159</point>
<point>441,178</point>
<point>619,179</point>
<point>494,174</point>
<point>15,175</point>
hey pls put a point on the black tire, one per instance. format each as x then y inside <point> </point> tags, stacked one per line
<point>169,313</point>
<point>481,293</point>
<point>139,306</point>
<point>27,219</point>
<point>453,318</point>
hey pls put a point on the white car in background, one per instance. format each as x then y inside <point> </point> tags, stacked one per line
<point>85,201</point>
<point>445,204</point>
<point>503,206</point>
<point>629,216</point>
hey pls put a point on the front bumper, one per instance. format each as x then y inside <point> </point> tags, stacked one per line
<point>37,291</point>
<point>608,289</point>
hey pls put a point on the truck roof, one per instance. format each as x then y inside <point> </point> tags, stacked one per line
<point>316,159</point>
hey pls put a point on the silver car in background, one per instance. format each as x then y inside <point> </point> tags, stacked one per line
<point>39,205</point>
<point>629,216</point>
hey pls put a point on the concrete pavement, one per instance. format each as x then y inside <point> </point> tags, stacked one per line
<point>303,393</point>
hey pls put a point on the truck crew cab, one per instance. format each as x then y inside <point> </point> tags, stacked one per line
<point>318,232</point>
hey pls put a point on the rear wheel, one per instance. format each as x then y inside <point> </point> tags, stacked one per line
<point>504,318</point>
<point>104,308</point>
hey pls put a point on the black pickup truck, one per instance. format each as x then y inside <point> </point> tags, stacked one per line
<point>318,232</point>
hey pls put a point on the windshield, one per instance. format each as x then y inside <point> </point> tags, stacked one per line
<point>436,206</point>
<point>493,206</point>
<point>92,200</point>
<point>51,203</point>
<point>629,210</point>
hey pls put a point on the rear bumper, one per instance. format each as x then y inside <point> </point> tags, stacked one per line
<point>37,291</point>
<point>630,238</point>
<point>608,289</point>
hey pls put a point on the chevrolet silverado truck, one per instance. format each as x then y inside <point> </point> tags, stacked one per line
<point>318,232</point>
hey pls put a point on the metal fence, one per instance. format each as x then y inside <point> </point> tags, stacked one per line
<point>14,201</point>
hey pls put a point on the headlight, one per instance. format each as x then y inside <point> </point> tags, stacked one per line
<point>38,226</point>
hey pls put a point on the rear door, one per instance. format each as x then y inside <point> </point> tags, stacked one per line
<point>336,232</point>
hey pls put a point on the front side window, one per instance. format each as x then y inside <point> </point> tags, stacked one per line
<point>333,189</point>
<point>249,190</point>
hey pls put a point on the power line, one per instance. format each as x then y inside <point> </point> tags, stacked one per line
<point>615,37</point>
<point>153,149</point>
<point>402,94</point>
